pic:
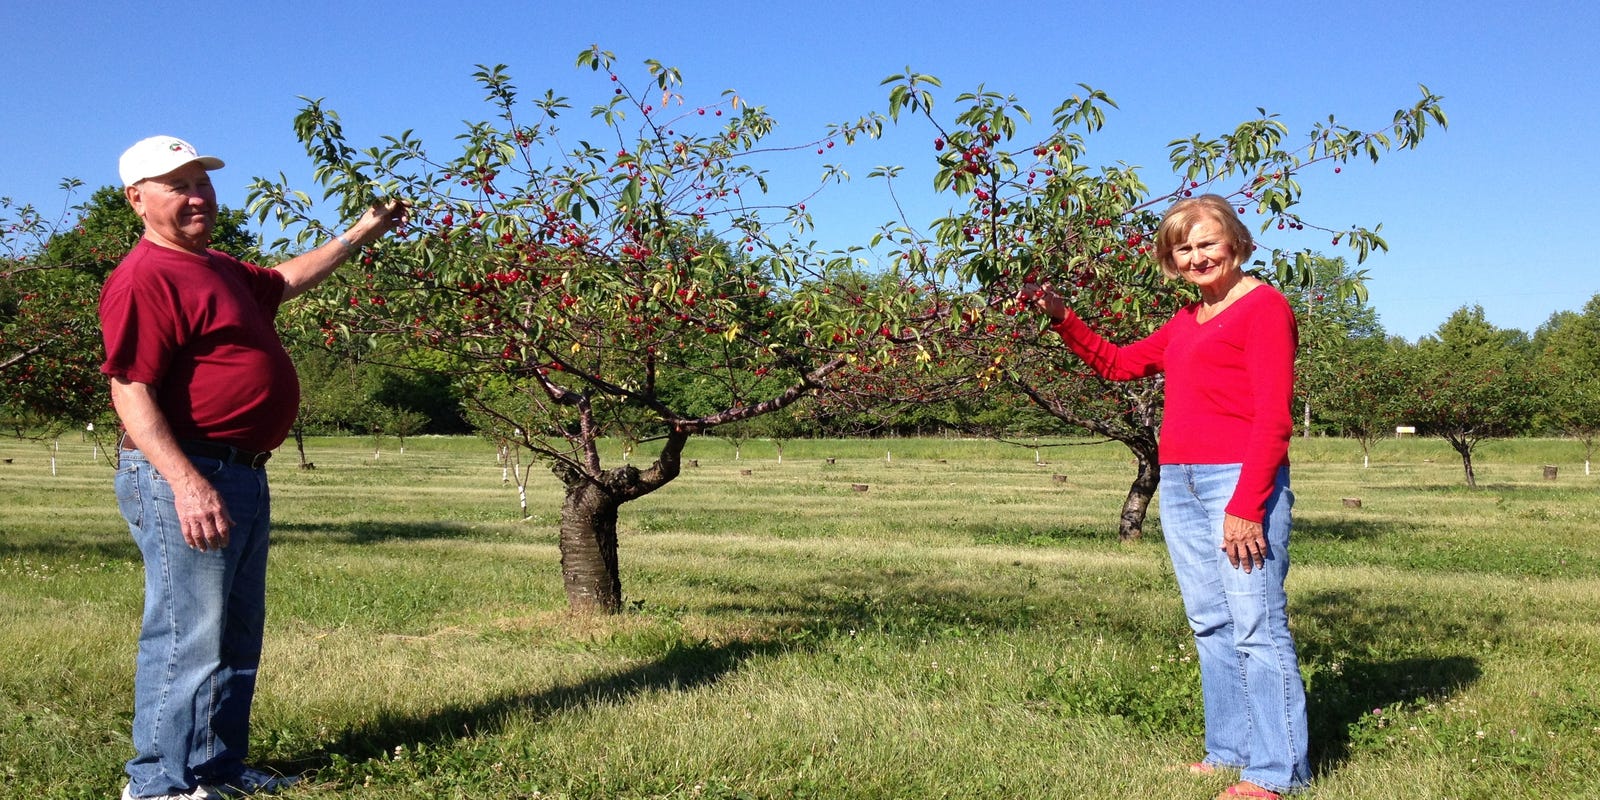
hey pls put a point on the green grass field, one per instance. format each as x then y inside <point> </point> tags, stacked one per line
<point>968,627</point>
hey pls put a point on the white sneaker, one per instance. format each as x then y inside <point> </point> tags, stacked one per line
<point>201,792</point>
<point>254,781</point>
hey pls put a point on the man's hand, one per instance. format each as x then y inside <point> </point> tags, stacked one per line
<point>202,516</point>
<point>303,272</point>
<point>385,216</point>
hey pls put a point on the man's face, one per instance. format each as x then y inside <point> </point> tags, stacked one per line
<point>179,208</point>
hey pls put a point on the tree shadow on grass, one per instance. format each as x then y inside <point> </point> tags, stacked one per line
<point>1339,698</point>
<point>67,545</point>
<point>1376,642</point>
<point>1461,488</point>
<point>1337,702</point>
<point>912,607</point>
<point>1341,530</point>
<point>119,545</point>
<point>368,531</point>
<point>801,627</point>
<point>988,533</point>
<point>687,666</point>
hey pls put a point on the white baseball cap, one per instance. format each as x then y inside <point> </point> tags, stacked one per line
<point>159,155</point>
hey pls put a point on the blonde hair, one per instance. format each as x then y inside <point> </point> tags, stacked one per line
<point>1183,215</point>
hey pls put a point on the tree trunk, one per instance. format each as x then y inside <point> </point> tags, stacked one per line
<point>1130,527</point>
<point>1466,462</point>
<point>589,550</point>
<point>1136,427</point>
<point>589,564</point>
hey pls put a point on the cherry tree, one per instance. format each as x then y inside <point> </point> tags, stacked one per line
<point>1032,207</point>
<point>573,274</point>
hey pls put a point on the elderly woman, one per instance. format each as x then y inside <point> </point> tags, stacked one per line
<point>1225,498</point>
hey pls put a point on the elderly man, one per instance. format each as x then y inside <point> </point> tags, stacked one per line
<point>205,392</point>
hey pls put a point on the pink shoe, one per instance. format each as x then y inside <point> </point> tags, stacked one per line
<point>1248,789</point>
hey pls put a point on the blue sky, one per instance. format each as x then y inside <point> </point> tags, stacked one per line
<point>1497,211</point>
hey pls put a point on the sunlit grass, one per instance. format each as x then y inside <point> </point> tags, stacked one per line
<point>967,626</point>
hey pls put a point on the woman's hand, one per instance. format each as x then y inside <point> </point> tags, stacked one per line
<point>1044,299</point>
<point>1244,541</point>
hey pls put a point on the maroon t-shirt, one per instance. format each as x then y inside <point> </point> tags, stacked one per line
<point>200,330</point>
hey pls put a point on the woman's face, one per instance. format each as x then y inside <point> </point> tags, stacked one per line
<point>1205,257</point>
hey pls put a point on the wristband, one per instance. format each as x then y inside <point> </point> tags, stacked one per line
<point>348,245</point>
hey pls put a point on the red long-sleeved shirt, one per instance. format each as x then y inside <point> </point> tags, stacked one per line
<point>1229,388</point>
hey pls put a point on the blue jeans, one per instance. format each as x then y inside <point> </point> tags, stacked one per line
<point>1255,703</point>
<point>200,641</point>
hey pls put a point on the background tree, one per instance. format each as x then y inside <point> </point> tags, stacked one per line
<point>572,283</point>
<point>49,335</point>
<point>1567,357</point>
<point>404,422</point>
<point>1471,383</point>
<point>1330,311</point>
<point>332,395</point>
<point>1359,383</point>
<point>781,427</point>
<point>51,270</point>
<point>736,434</point>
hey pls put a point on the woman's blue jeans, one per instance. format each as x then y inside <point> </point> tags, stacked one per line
<point>200,641</point>
<point>1255,703</point>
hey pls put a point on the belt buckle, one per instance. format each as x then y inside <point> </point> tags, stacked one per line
<point>260,459</point>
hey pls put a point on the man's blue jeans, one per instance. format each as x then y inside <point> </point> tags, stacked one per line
<point>200,642</point>
<point>1255,703</point>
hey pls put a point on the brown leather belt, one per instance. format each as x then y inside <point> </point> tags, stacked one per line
<point>220,452</point>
